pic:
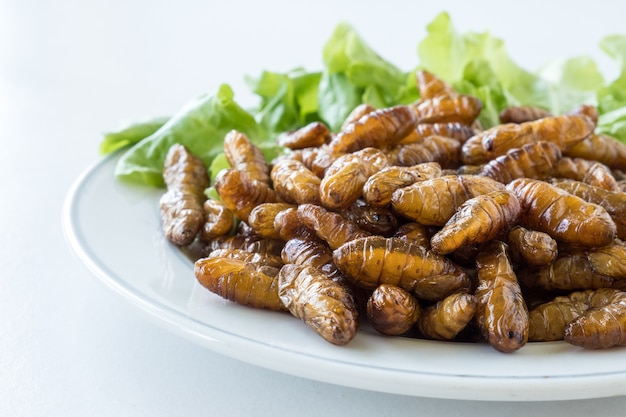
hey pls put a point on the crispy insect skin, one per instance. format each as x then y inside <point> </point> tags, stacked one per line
<point>219,220</point>
<point>433,202</point>
<point>501,315</point>
<point>478,220</point>
<point>392,310</point>
<point>313,134</point>
<point>448,109</point>
<point>295,183</point>
<point>375,220</point>
<point>600,327</point>
<point>414,233</point>
<point>245,156</point>
<point>240,193</point>
<point>324,305</point>
<point>535,160</point>
<point>613,202</point>
<point>371,261</point>
<point>343,181</point>
<point>563,216</point>
<point>453,130</point>
<point>311,252</point>
<point>430,86</point>
<point>564,131</point>
<point>185,177</point>
<point>446,318</point>
<point>356,113</point>
<point>530,247</point>
<point>602,148</point>
<point>521,114</point>
<point>251,243</point>
<point>378,129</point>
<point>261,259</point>
<point>289,225</point>
<point>329,226</point>
<point>590,172</point>
<point>379,187</point>
<point>261,218</point>
<point>440,149</point>
<point>239,281</point>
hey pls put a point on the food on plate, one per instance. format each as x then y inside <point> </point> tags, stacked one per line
<point>262,217</point>
<point>244,156</point>
<point>590,172</point>
<point>530,247</point>
<point>329,226</point>
<point>435,148</point>
<point>312,135</point>
<point>456,108</point>
<point>392,310</point>
<point>380,186</point>
<point>375,220</point>
<point>534,160</point>
<point>445,319</point>
<point>521,114</point>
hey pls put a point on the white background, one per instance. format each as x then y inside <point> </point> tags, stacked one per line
<point>70,70</point>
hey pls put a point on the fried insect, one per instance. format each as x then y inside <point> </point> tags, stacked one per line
<point>218,220</point>
<point>295,183</point>
<point>343,181</point>
<point>392,310</point>
<point>185,177</point>
<point>375,220</point>
<point>601,148</point>
<point>536,160</point>
<point>600,327</point>
<point>379,187</point>
<point>456,131</point>
<point>439,149</point>
<point>378,129</point>
<point>250,243</point>
<point>324,305</point>
<point>356,113</point>
<point>289,225</point>
<point>240,281</point>
<point>371,261</point>
<point>311,252</point>
<point>331,227</point>
<point>414,233</point>
<point>502,315</point>
<point>430,86</point>
<point>243,155</point>
<point>312,135</point>
<point>433,202</point>
<point>261,259</point>
<point>521,114</point>
<point>240,193</point>
<point>460,108</point>
<point>478,220</point>
<point>563,216</point>
<point>261,218</point>
<point>590,172</point>
<point>445,319</point>
<point>530,247</point>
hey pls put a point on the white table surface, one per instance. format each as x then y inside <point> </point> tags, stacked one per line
<point>70,70</point>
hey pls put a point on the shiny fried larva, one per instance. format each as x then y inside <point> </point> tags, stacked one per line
<point>415,233</point>
<point>601,148</point>
<point>375,220</point>
<point>430,86</point>
<point>371,261</point>
<point>356,113</point>
<point>392,310</point>
<point>240,281</point>
<point>261,218</point>
<point>251,243</point>
<point>379,187</point>
<point>502,315</point>
<point>439,149</point>
<point>478,220</point>
<point>535,160</point>
<point>521,114</point>
<point>600,327</point>
<point>240,193</point>
<point>378,129</point>
<point>448,109</point>
<point>295,183</point>
<point>530,247</point>
<point>243,155</point>
<point>563,216</point>
<point>261,259</point>
<point>433,202</point>
<point>583,170</point>
<point>331,227</point>
<point>454,130</point>
<point>219,220</point>
<point>445,319</point>
<point>313,134</point>
<point>324,305</point>
<point>289,225</point>
<point>311,252</point>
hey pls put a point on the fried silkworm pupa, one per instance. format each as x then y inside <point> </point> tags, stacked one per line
<point>356,113</point>
<point>502,315</point>
<point>530,247</point>
<point>602,148</point>
<point>375,220</point>
<point>440,149</point>
<point>600,327</point>
<point>415,233</point>
<point>521,114</point>
<point>261,218</point>
<point>324,305</point>
<point>245,156</point>
<point>590,172</point>
<point>430,86</point>
<point>379,187</point>
<point>261,259</point>
<point>433,202</point>
<point>392,310</point>
<point>445,319</point>
<point>378,129</point>
<point>240,193</point>
<point>586,110</point>
<point>343,181</point>
<point>478,220</point>
<point>289,225</point>
<point>250,243</point>
<point>312,135</point>
<point>448,109</point>
<point>295,183</point>
<point>535,160</point>
<point>609,260</point>
<point>371,261</point>
<point>218,220</point>
<point>311,252</point>
<point>331,227</point>
<point>455,130</point>
<point>185,177</point>
<point>240,281</point>
<point>563,216</point>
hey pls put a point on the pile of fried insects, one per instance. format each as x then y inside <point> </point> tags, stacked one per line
<point>419,221</point>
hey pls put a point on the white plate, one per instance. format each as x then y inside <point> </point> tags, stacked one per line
<point>114,228</point>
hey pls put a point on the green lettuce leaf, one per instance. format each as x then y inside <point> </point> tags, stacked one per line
<point>129,134</point>
<point>613,96</point>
